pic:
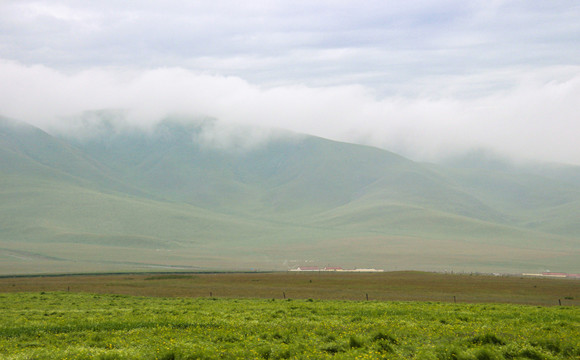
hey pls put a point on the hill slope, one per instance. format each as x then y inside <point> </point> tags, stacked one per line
<point>132,199</point>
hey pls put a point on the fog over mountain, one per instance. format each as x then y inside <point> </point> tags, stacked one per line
<point>429,80</point>
<point>535,121</point>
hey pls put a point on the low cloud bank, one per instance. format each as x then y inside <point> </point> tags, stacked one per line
<point>535,120</point>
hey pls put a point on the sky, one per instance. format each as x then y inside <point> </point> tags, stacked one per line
<point>426,79</point>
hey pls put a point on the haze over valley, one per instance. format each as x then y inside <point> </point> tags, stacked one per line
<point>122,199</point>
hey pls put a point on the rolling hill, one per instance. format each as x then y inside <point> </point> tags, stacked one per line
<point>121,199</point>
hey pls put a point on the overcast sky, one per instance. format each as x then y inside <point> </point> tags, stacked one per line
<point>422,78</point>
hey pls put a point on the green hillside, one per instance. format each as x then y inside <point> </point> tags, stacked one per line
<point>120,199</point>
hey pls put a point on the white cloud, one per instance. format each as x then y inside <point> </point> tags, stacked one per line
<point>535,119</point>
<point>420,77</point>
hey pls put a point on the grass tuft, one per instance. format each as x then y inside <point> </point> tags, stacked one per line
<point>168,356</point>
<point>551,345</point>
<point>532,354</point>
<point>490,339</point>
<point>487,354</point>
<point>355,342</point>
<point>384,346</point>
<point>385,337</point>
<point>333,348</point>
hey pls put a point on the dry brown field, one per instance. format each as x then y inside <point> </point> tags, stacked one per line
<point>388,286</point>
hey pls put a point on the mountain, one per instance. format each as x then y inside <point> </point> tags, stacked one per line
<point>120,199</point>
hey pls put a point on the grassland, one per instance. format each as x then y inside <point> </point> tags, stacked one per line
<point>134,201</point>
<point>388,286</point>
<point>409,315</point>
<point>62,325</point>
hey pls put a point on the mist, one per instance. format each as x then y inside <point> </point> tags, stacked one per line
<point>534,120</point>
<point>428,80</point>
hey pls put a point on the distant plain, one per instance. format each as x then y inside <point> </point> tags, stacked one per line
<point>388,286</point>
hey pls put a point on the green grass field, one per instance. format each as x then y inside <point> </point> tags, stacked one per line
<point>408,315</point>
<point>61,325</point>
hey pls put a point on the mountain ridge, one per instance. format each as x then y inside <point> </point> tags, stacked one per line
<point>288,200</point>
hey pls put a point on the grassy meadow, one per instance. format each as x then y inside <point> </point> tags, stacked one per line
<point>63,325</point>
<point>409,315</point>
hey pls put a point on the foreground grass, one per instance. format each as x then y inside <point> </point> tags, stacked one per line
<point>93,326</point>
